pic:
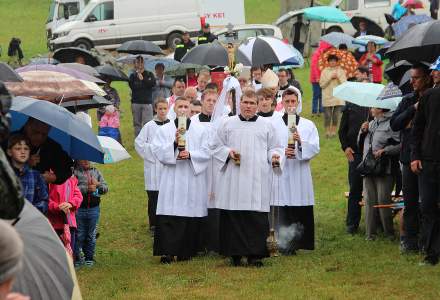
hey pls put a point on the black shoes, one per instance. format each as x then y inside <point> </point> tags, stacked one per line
<point>254,262</point>
<point>166,259</point>
<point>236,261</point>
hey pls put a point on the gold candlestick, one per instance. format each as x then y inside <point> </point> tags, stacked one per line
<point>271,242</point>
<point>181,127</point>
<point>291,125</point>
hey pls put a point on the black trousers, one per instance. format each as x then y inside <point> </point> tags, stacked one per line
<point>429,183</point>
<point>356,185</point>
<point>152,206</point>
<point>411,213</point>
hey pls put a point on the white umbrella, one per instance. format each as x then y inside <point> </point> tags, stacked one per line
<point>113,150</point>
<point>264,50</point>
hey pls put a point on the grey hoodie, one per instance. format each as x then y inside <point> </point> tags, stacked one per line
<point>383,136</point>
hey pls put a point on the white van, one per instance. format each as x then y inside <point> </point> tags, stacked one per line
<point>60,11</point>
<point>109,23</point>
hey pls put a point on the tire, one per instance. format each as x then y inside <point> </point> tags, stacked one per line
<point>83,44</point>
<point>334,29</point>
<point>173,39</point>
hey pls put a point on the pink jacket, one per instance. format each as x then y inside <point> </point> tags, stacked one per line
<point>315,73</point>
<point>110,120</point>
<point>59,193</point>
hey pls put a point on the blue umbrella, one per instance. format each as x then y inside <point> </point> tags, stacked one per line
<point>326,14</point>
<point>151,63</point>
<point>364,39</point>
<point>360,93</point>
<point>337,38</point>
<point>73,134</point>
<point>406,22</point>
<point>368,94</point>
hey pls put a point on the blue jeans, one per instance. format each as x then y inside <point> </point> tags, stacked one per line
<point>317,99</point>
<point>87,219</point>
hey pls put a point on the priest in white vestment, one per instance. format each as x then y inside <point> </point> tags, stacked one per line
<point>293,202</point>
<point>182,201</point>
<point>248,149</point>
<point>152,166</point>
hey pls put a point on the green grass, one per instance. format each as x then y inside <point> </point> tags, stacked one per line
<point>341,267</point>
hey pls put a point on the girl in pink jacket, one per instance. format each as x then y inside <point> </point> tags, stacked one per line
<point>64,200</point>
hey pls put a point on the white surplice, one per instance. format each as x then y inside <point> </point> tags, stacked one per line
<point>152,166</point>
<point>296,185</point>
<point>245,187</point>
<point>182,190</point>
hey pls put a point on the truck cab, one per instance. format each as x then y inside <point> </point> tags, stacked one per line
<point>61,11</point>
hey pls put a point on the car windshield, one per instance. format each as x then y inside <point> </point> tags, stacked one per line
<point>51,12</point>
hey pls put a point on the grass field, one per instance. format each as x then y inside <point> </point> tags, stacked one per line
<point>341,267</point>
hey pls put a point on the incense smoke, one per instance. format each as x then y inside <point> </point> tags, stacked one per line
<point>287,235</point>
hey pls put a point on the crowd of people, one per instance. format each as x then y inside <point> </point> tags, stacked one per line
<point>227,168</point>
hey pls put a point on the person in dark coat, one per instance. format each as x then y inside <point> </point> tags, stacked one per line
<point>433,8</point>
<point>47,156</point>
<point>141,83</point>
<point>352,118</point>
<point>183,47</point>
<point>206,35</point>
<point>425,161</point>
<point>402,121</point>
<point>363,30</point>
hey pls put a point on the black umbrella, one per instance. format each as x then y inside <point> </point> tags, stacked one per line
<point>395,71</point>
<point>70,55</point>
<point>7,74</point>
<point>80,105</point>
<point>405,83</point>
<point>140,47</point>
<point>211,54</point>
<point>420,43</point>
<point>47,271</point>
<point>113,73</point>
<point>372,27</point>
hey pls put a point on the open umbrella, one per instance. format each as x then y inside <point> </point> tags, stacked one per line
<point>416,4</point>
<point>265,50</point>
<point>346,61</point>
<point>113,150</point>
<point>364,39</point>
<point>419,43</point>
<point>211,54</point>
<point>82,68</point>
<point>85,104</point>
<point>61,69</point>
<point>395,71</point>
<point>47,271</point>
<point>70,55</point>
<point>360,93</point>
<point>113,73</point>
<point>51,86</point>
<point>130,58</point>
<point>296,61</point>
<point>406,22</point>
<point>328,14</point>
<point>43,61</point>
<point>151,63</point>
<point>75,136</point>
<point>7,74</point>
<point>140,47</point>
<point>372,27</point>
<point>337,38</point>
<point>389,97</point>
<point>180,69</point>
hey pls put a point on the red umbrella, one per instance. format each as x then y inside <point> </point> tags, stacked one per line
<point>413,4</point>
